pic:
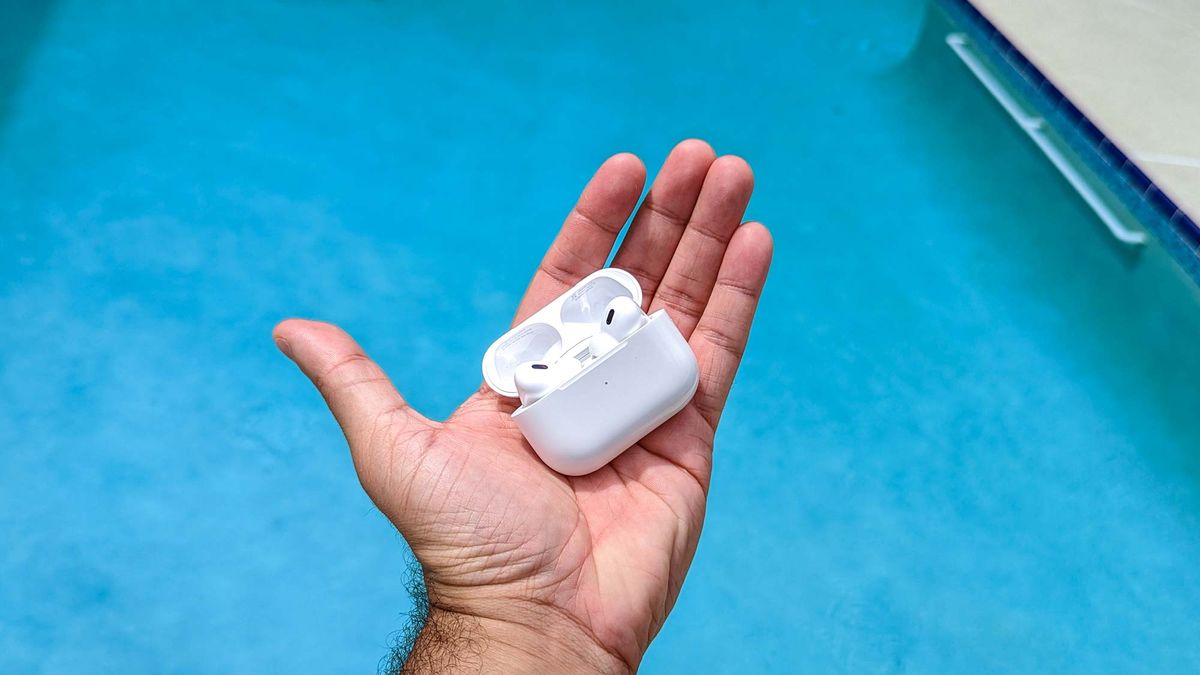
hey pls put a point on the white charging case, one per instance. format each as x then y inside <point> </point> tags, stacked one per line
<point>615,399</point>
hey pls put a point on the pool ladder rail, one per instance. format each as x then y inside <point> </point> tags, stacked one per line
<point>1036,128</point>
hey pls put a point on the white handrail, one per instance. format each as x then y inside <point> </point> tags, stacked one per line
<point>1034,127</point>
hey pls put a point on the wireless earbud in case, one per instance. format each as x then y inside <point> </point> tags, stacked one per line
<point>644,372</point>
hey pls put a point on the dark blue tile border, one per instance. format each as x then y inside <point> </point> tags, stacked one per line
<point>1179,233</point>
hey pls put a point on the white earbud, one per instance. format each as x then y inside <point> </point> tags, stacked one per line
<point>621,319</point>
<point>535,379</point>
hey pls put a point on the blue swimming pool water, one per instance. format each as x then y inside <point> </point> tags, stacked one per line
<point>964,438</point>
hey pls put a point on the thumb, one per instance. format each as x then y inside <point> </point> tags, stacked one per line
<point>366,405</point>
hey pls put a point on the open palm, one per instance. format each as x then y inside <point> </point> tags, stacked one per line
<point>527,569</point>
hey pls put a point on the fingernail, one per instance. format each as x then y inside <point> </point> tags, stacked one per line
<point>284,347</point>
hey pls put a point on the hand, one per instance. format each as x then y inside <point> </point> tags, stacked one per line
<point>527,570</point>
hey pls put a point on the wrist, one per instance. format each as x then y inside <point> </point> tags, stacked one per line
<point>537,640</point>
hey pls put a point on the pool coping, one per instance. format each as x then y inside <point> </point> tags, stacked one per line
<point>1155,210</point>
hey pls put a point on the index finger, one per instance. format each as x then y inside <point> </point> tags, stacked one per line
<point>588,234</point>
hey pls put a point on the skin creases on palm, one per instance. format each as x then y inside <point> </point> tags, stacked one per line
<point>498,534</point>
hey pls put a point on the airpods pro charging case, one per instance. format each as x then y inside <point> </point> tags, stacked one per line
<point>615,399</point>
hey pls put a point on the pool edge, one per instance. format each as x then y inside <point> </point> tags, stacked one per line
<point>1155,210</point>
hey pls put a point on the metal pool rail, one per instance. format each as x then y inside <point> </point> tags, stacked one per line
<point>1035,128</point>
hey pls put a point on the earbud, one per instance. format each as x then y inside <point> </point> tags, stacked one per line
<point>535,379</point>
<point>621,319</point>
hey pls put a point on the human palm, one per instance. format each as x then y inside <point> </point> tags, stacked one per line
<point>527,569</point>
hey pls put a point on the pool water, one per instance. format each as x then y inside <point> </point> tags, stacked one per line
<point>964,437</point>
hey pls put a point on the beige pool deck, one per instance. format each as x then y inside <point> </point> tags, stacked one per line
<point>1131,66</point>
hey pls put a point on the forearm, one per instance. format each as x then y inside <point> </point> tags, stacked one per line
<point>452,642</point>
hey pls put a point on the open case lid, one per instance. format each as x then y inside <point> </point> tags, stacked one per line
<point>568,320</point>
